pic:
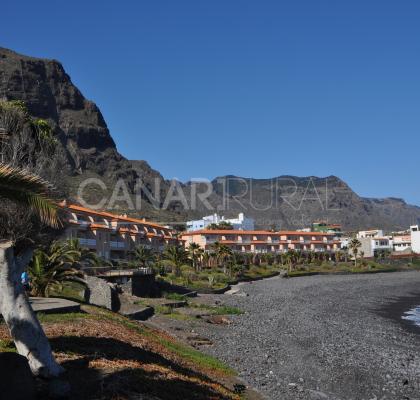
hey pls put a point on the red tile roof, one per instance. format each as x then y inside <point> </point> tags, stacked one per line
<point>113,217</point>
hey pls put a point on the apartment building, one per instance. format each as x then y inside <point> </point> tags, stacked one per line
<point>264,241</point>
<point>112,236</point>
<point>239,223</point>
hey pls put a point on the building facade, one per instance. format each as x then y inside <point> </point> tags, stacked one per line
<point>264,241</point>
<point>371,233</point>
<point>240,223</point>
<point>372,246</point>
<point>401,243</point>
<point>114,237</point>
<point>415,238</point>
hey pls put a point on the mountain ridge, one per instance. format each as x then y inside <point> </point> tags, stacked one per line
<point>91,152</point>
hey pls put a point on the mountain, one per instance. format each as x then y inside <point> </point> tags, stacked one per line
<point>89,149</point>
<point>295,202</point>
<point>90,152</point>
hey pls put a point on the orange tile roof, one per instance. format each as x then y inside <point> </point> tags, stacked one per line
<point>114,217</point>
<point>99,226</point>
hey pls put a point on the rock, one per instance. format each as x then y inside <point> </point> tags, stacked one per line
<point>16,380</point>
<point>317,395</point>
<point>101,293</point>
<point>218,320</point>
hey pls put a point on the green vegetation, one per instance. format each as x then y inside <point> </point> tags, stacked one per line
<point>364,267</point>
<point>223,225</point>
<point>218,310</point>
<point>217,268</point>
<point>174,296</point>
<point>58,263</point>
<point>7,346</point>
<point>17,185</point>
<point>354,246</point>
<point>62,317</point>
<point>28,190</point>
<point>70,290</point>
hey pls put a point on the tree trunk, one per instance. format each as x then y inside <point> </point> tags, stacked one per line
<point>24,327</point>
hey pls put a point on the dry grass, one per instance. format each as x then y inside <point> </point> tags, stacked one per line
<point>110,357</point>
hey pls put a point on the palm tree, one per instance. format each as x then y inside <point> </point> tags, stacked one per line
<point>224,253</point>
<point>144,256</point>
<point>193,250</point>
<point>28,190</point>
<point>62,261</point>
<point>354,246</point>
<point>205,259</point>
<point>338,256</point>
<point>48,271</point>
<point>82,257</point>
<point>176,256</point>
<point>216,250</point>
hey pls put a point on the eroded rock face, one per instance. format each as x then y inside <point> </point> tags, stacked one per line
<point>90,152</point>
<point>49,93</point>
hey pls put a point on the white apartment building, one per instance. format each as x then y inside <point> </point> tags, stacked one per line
<point>415,238</point>
<point>241,223</point>
<point>370,233</point>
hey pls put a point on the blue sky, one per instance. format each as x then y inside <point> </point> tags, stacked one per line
<point>252,88</point>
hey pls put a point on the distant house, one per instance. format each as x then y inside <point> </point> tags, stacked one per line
<point>401,243</point>
<point>372,246</point>
<point>240,223</point>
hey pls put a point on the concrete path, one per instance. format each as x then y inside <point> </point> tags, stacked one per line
<point>53,305</point>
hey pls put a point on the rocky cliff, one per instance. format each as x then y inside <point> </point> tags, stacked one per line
<point>90,152</point>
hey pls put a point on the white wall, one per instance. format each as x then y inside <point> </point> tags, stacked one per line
<point>415,241</point>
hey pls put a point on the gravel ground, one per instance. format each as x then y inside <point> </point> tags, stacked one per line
<point>324,337</point>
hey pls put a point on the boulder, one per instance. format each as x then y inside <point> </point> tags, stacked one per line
<point>101,293</point>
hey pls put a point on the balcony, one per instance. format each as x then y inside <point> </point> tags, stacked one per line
<point>87,242</point>
<point>117,245</point>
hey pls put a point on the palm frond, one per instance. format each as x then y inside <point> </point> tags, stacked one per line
<point>30,191</point>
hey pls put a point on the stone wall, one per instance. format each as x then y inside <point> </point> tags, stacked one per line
<point>101,293</point>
